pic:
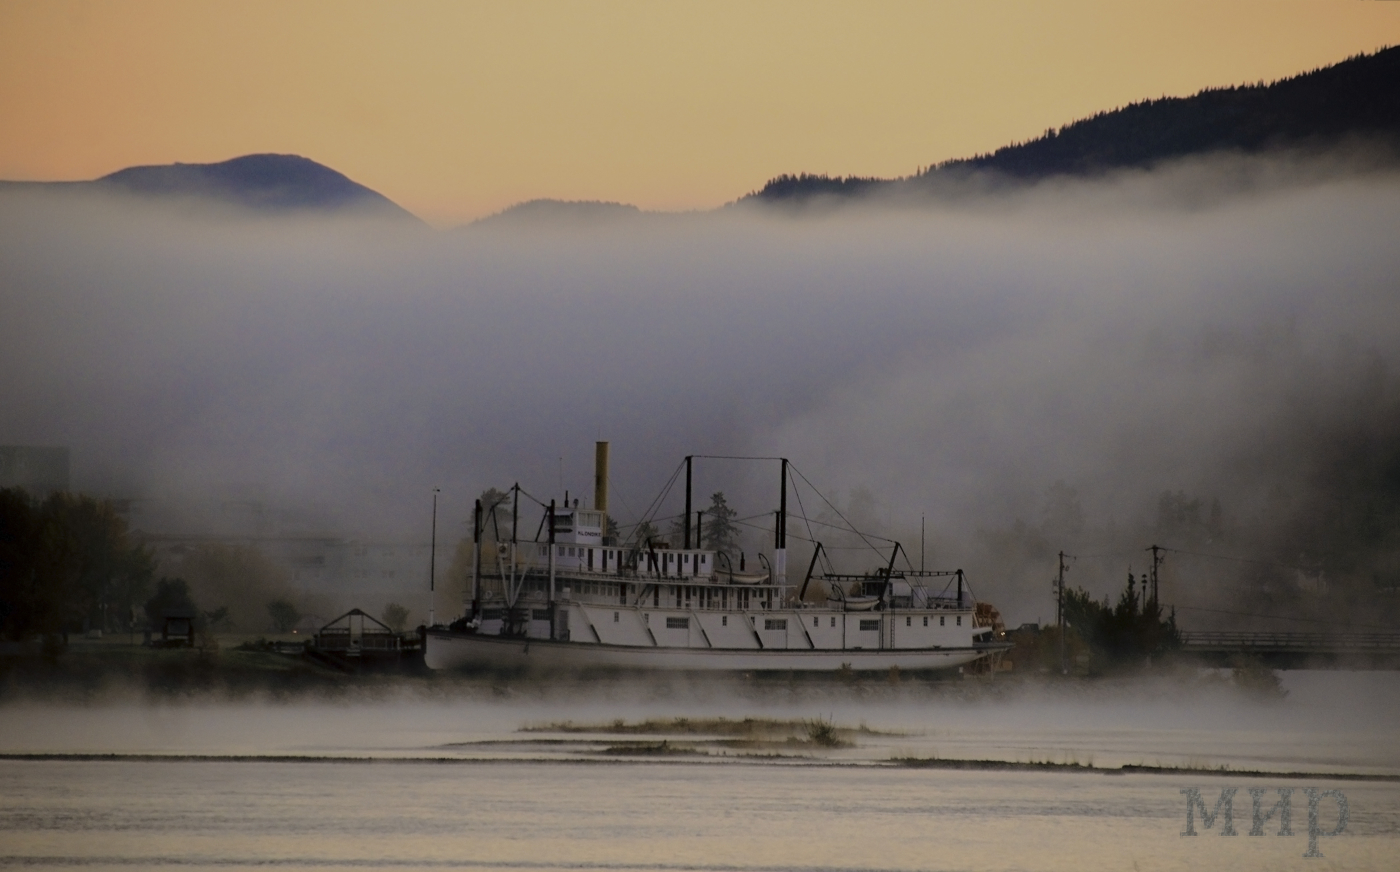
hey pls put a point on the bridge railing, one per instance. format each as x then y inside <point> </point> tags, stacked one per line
<point>1320,643</point>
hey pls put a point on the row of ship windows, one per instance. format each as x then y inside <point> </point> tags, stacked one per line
<point>866,624</point>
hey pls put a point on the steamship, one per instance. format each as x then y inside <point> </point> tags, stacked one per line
<point>573,598</point>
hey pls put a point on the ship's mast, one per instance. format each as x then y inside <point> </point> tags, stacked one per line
<point>551,554</point>
<point>432,563</point>
<point>780,534</point>
<point>689,469</point>
<point>476,559</point>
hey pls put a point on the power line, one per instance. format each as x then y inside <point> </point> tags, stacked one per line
<point>1272,563</point>
<point>850,526</point>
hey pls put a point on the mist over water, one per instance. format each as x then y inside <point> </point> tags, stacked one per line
<point>951,361</point>
<point>456,783</point>
<point>1326,721</point>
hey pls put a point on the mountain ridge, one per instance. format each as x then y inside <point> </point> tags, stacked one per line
<point>1355,100</point>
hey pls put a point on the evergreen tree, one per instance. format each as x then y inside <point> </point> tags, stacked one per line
<point>495,515</point>
<point>645,534</point>
<point>720,533</point>
<point>1129,632</point>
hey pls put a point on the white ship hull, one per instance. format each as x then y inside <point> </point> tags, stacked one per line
<point>453,650</point>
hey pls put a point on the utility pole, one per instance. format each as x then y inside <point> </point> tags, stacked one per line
<point>1157,559</point>
<point>551,562</point>
<point>1060,613</point>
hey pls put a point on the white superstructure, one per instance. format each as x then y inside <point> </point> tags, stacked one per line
<point>576,601</point>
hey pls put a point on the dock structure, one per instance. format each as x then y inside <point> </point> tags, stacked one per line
<point>357,639</point>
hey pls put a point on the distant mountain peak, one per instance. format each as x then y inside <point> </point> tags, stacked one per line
<point>281,182</point>
<point>559,213</point>
<point>277,183</point>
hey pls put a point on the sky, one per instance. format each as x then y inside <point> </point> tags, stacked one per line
<point>456,110</point>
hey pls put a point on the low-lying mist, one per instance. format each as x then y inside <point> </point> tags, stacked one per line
<point>1071,367</point>
<point>1324,721</point>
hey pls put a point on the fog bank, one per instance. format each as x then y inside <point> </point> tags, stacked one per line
<point>952,362</point>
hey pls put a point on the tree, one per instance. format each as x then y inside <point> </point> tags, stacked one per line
<point>645,534</point>
<point>719,533</point>
<point>675,533</point>
<point>1129,632</point>
<point>495,514</point>
<point>1061,516</point>
<point>66,561</point>
<point>396,616</point>
<point>284,615</point>
<point>239,577</point>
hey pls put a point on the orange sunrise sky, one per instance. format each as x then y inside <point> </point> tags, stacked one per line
<point>456,110</point>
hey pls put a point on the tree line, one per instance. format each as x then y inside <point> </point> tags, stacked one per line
<point>69,564</point>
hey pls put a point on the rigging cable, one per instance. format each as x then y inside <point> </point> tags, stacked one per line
<point>852,527</point>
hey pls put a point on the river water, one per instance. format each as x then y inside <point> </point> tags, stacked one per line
<point>453,781</point>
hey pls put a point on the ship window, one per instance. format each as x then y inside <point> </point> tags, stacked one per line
<point>816,621</point>
<point>678,623</point>
<point>941,620</point>
<point>959,620</point>
<point>724,620</point>
<point>925,620</point>
<point>616,618</point>
<point>775,624</point>
<point>870,625</point>
<point>833,620</point>
<point>908,621</point>
<point>704,559</point>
